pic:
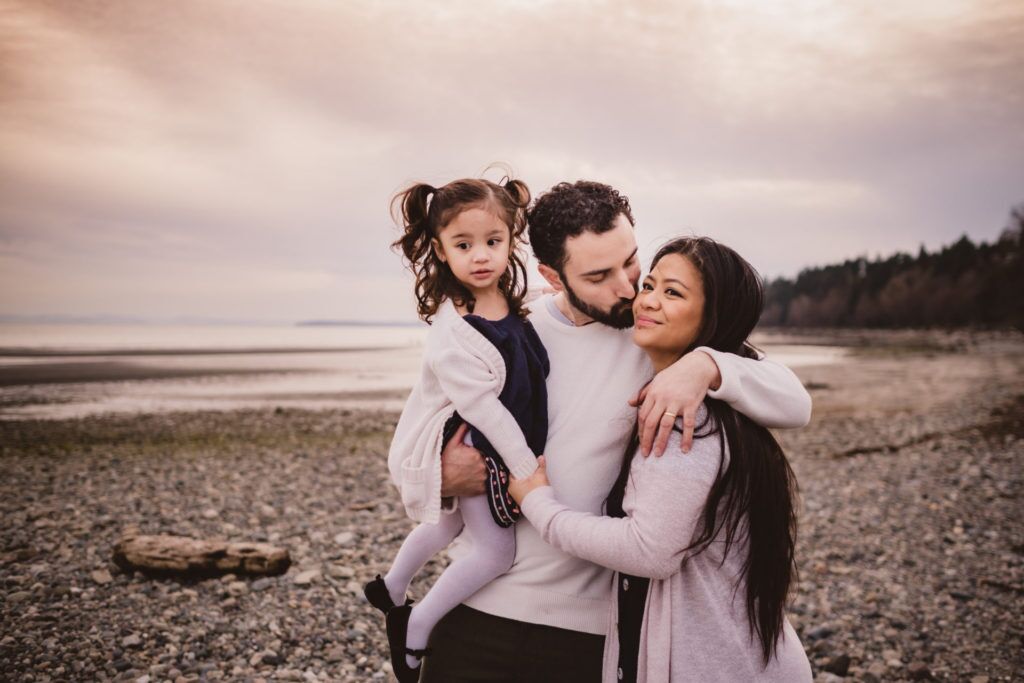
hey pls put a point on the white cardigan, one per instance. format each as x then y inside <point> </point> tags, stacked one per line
<point>461,371</point>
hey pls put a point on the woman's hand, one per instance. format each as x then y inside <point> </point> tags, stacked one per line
<point>520,487</point>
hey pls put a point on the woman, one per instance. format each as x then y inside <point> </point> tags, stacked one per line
<point>703,542</point>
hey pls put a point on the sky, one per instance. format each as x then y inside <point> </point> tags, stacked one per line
<point>235,159</point>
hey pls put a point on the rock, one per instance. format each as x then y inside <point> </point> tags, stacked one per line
<point>196,558</point>
<point>344,538</point>
<point>979,679</point>
<point>306,577</point>
<point>101,576</point>
<point>826,677</point>
<point>19,596</point>
<point>340,571</point>
<point>238,588</point>
<point>132,640</point>
<point>819,633</point>
<point>919,671</point>
<point>262,584</point>
<point>210,513</point>
<point>838,665</point>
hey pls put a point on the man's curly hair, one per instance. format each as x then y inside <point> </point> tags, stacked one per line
<point>568,210</point>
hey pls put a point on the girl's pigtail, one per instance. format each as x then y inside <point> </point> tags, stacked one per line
<point>519,197</point>
<point>513,282</point>
<point>415,244</point>
<point>414,205</point>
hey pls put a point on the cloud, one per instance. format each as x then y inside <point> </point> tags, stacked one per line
<point>268,138</point>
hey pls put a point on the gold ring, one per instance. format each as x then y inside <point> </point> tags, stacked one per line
<point>670,413</point>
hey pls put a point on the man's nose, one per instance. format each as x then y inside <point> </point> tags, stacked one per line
<point>623,287</point>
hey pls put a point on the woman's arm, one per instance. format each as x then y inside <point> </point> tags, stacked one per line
<point>670,493</point>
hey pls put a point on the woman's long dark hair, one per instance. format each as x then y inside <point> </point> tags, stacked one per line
<point>754,497</point>
<point>424,210</point>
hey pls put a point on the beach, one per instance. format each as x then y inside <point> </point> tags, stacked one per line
<point>911,542</point>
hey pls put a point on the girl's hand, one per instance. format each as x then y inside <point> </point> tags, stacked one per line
<point>520,487</point>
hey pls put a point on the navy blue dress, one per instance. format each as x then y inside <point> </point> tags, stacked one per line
<point>524,395</point>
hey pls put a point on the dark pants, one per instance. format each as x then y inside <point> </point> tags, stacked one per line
<point>470,646</point>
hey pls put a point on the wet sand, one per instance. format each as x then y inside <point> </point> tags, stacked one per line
<point>911,545</point>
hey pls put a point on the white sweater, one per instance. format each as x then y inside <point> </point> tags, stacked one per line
<point>461,371</point>
<point>594,371</point>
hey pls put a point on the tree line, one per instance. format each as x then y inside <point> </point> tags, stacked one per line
<point>962,285</point>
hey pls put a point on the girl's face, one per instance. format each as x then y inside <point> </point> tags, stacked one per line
<point>476,246</point>
<point>669,309</point>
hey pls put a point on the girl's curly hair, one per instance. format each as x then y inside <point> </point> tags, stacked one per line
<point>424,210</point>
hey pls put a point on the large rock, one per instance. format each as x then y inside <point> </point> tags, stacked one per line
<point>193,557</point>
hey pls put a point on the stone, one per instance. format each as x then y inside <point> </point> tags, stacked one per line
<point>340,571</point>
<point>197,558</point>
<point>979,679</point>
<point>210,513</point>
<point>839,666</point>
<point>238,588</point>
<point>344,538</point>
<point>826,677</point>
<point>262,584</point>
<point>132,640</point>
<point>306,577</point>
<point>919,671</point>
<point>101,576</point>
<point>19,596</point>
<point>819,633</point>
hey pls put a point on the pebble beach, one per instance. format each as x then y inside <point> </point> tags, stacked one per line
<point>911,543</point>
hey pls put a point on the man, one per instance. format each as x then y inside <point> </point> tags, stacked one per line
<point>546,618</point>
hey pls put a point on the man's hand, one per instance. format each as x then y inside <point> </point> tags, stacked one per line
<point>463,472</point>
<point>519,488</point>
<point>677,390</point>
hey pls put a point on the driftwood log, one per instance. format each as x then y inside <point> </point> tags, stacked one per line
<point>197,558</point>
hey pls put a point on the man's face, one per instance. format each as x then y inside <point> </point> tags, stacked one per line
<point>601,274</point>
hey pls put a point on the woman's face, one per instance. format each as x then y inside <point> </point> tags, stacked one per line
<point>669,308</point>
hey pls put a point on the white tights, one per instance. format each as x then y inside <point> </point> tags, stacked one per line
<point>492,551</point>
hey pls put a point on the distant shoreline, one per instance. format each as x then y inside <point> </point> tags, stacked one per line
<point>25,352</point>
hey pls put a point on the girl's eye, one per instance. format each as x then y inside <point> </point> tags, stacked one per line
<point>493,242</point>
<point>462,245</point>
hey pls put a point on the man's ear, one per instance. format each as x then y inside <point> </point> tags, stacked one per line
<point>552,276</point>
<point>438,249</point>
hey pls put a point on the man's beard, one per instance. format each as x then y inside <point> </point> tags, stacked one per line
<point>620,316</point>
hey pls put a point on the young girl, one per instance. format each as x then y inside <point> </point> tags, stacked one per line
<point>483,363</point>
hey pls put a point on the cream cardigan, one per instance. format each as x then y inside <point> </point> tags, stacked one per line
<point>695,624</point>
<point>461,371</point>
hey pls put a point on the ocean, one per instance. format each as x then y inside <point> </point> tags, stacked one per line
<point>55,371</point>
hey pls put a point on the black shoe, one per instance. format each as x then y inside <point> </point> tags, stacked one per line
<point>377,594</point>
<point>398,627</point>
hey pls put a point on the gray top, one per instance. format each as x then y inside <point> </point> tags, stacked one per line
<point>695,624</point>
